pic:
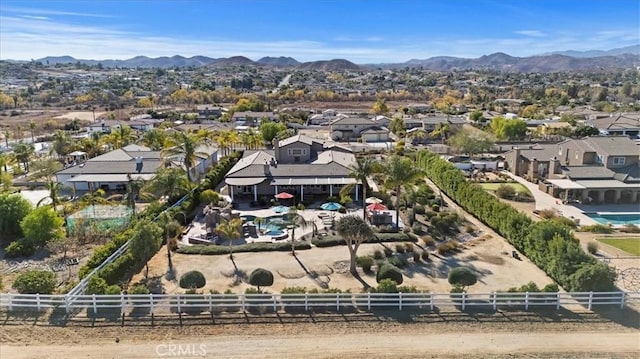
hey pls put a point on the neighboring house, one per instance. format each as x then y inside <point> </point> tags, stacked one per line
<point>110,171</point>
<point>103,126</point>
<point>620,124</point>
<point>250,118</point>
<point>418,108</point>
<point>209,111</point>
<point>107,126</point>
<point>299,165</point>
<point>354,128</point>
<point>592,170</point>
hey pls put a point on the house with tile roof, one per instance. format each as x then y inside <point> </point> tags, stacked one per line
<point>354,128</point>
<point>600,169</point>
<point>300,165</point>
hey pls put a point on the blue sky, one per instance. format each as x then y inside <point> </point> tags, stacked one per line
<point>361,31</point>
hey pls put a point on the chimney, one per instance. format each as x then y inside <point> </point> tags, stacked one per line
<point>516,162</point>
<point>554,166</point>
<point>139,164</point>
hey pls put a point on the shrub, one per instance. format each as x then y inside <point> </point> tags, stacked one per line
<point>342,210</point>
<point>505,191</point>
<point>592,247</point>
<point>408,289</point>
<point>430,214</point>
<point>251,247</point>
<point>113,290</point>
<point>416,257</point>
<point>293,290</point>
<point>417,228</point>
<point>35,281</point>
<point>387,286</point>
<point>377,254</point>
<point>252,291</point>
<point>565,221</point>
<point>19,248</point>
<point>192,279</point>
<point>301,207</point>
<point>550,288</point>
<point>447,247</point>
<point>387,252</point>
<point>365,263</point>
<point>548,213</point>
<point>400,248</point>
<point>397,261</point>
<point>418,209</point>
<point>597,228</point>
<point>261,277</point>
<point>462,276</point>
<point>469,229</point>
<point>96,285</point>
<point>435,207</point>
<point>139,289</point>
<point>408,247</point>
<point>428,241</point>
<point>630,228</point>
<point>389,271</point>
<point>424,255</point>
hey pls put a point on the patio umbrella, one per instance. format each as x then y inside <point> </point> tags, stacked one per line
<point>280,209</point>
<point>371,200</point>
<point>376,207</point>
<point>331,206</point>
<point>284,195</point>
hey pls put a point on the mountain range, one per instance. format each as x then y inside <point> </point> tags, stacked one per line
<point>596,60</point>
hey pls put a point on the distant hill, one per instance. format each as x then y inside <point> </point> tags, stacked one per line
<point>503,62</point>
<point>632,50</point>
<point>330,65</point>
<point>279,61</point>
<point>621,58</point>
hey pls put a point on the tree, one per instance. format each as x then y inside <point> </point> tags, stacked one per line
<point>183,146</point>
<point>471,144</point>
<point>209,196</point>
<point>54,189</point>
<point>121,136</point>
<point>476,116</point>
<point>230,230</point>
<point>596,277</point>
<point>171,182</point>
<point>40,226</point>
<point>32,128</point>
<point>261,278</point>
<point>13,208</point>
<point>192,279</point>
<point>400,173</point>
<point>584,131</point>
<point>355,231</point>
<point>360,170</point>
<point>293,219</point>
<point>462,277</point>
<point>146,241</point>
<point>35,282</point>
<point>133,188</point>
<point>380,107</point>
<point>61,143</point>
<point>442,130</point>
<point>154,139</point>
<point>23,153</point>
<point>396,126</point>
<point>504,129</point>
<point>269,130</point>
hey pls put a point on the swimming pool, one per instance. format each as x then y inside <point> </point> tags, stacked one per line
<point>615,218</point>
<point>273,223</point>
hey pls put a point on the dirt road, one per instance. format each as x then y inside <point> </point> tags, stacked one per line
<point>376,345</point>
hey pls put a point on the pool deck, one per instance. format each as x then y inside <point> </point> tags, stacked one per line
<point>310,215</point>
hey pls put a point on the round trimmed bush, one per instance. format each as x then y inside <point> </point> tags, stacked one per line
<point>424,255</point>
<point>387,286</point>
<point>365,263</point>
<point>261,278</point>
<point>462,277</point>
<point>592,247</point>
<point>377,254</point>
<point>192,279</point>
<point>139,289</point>
<point>35,281</point>
<point>389,271</point>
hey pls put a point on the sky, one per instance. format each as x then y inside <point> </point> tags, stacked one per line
<point>367,31</point>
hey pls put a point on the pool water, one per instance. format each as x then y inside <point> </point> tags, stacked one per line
<point>273,223</point>
<point>615,219</point>
<point>274,232</point>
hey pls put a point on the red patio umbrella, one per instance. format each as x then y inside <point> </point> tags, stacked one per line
<point>284,195</point>
<point>376,207</point>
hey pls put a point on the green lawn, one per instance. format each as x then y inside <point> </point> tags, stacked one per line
<point>494,186</point>
<point>628,244</point>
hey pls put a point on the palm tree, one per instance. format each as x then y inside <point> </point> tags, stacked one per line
<point>442,130</point>
<point>400,172</point>
<point>32,127</point>
<point>54,189</point>
<point>172,229</point>
<point>134,186</point>
<point>169,182</point>
<point>223,140</point>
<point>183,146</point>
<point>230,229</point>
<point>293,219</point>
<point>121,137</point>
<point>61,143</point>
<point>6,160</point>
<point>154,139</point>
<point>23,153</point>
<point>360,170</point>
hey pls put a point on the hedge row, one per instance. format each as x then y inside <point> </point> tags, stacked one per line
<point>331,241</point>
<point>550,245</point>
<point>251,247</point>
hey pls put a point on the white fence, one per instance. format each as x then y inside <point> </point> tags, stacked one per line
<point>199,303</point>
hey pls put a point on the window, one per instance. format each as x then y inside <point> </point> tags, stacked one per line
<point>297,151</point>
<point>618,160</point>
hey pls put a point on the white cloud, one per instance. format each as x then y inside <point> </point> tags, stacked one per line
<point>35,11</point>
<point>33,17</point>
<point>532,33</point>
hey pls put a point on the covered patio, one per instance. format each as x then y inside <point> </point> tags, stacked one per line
<point>595,191</point>
<point>300,187</point>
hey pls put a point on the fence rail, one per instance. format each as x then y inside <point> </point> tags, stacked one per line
<point>199,303</point>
